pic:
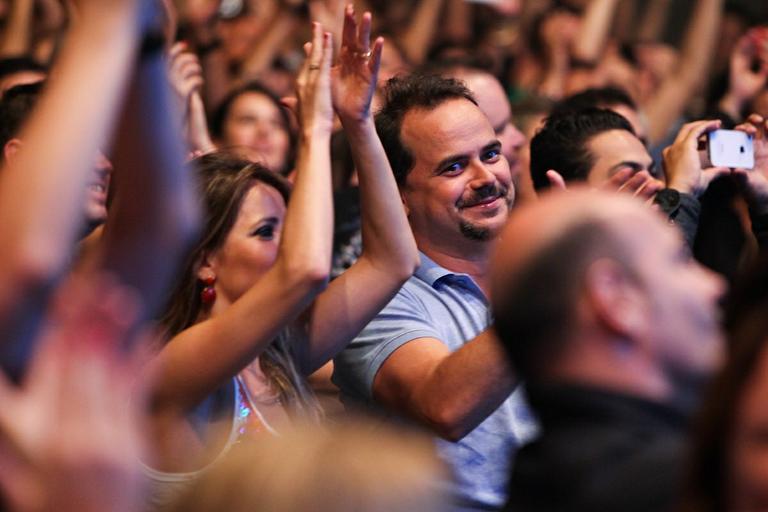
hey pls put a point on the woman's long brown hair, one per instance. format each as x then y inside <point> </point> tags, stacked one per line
<point>223,182</point>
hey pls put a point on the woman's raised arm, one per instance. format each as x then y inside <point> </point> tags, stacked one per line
<point>201,358</point>
<point>389,251</point>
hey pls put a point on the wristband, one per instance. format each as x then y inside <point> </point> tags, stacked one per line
<point>668,200</point>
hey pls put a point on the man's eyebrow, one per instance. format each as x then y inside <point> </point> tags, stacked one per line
<point>445,162</point>
<point>492,145</point>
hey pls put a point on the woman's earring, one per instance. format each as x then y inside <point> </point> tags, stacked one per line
<point>208,294</point>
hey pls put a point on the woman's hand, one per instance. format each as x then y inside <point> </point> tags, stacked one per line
<point>313,85</point>
<point>185,73</point>
<point>353,78</point>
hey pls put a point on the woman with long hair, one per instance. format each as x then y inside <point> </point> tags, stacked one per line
<point>253,313</point>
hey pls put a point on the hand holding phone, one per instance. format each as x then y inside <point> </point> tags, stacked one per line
<point>730,148</point>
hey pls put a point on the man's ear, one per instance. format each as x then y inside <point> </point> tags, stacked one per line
<point>405,202</point>
<point>556,180</point>
<point>11,148</point>
<point>616,301</point>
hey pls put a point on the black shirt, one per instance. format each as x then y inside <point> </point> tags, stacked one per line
<point>599,451</point>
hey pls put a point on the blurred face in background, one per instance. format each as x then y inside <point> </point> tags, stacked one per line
<point>255,129</point>
<point>493,101</point>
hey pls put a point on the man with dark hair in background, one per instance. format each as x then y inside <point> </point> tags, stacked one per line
<point>429,355</point>
<point>614,99</point>
<point>16,105</point>
<point>614,329</point>
<point>589,145</point>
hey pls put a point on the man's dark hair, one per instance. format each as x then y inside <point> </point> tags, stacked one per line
<point>403,94</point>
<point>15,107</point>
<point>596,97</point>
<point>534,308</point>
<point>11,65</point>
<point>561,144</point>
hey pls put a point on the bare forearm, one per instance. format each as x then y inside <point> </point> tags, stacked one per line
<point>450,392</point>
<point>458,20</point>
<point>467,387</point>
<point>553,83</point>
<point>42,196</point>
<point>197,125</point>
<point>595,26</point>
<point>262,54</point>
<point>653,21</point>
<point>700,40</point>
<point>17,39</point>
<point>421,30</point>
<point>671,99</point>
<point>389,253</point>
<point>217,81</point>
<point>386,233</point>
<point>155,212</point>
<point>312,194</point>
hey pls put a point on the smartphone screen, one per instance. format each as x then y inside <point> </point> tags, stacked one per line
<point>731,148</point>
<point>230,8</point>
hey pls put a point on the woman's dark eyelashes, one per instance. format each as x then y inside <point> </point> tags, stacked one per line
<point>266,231</point>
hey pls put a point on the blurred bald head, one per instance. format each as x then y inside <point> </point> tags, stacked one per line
<point>585,281</point>
<point>540,262</point>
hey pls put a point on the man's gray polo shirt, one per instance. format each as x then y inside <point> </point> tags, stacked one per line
<point>438,303</point>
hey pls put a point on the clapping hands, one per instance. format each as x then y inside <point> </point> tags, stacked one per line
<point>354,76</point>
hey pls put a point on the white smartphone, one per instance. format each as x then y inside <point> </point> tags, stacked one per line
<point>230,8</point>
<point>731,148</point>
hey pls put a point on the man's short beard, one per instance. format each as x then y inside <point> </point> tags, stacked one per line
<point>473,232</point>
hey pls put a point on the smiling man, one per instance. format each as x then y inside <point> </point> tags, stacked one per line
<point>429,355</point>
<point>16,106</point>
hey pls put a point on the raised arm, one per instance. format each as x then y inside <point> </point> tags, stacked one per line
<point>418,36</point>
<point>154,213</point>
<point>198,360</point>
<point>42,191</point>
<point>389,251</point>
<point>186,76</point>
<point>674,92</point>
<point>654,20</point>
<point>282,25</point>
<point>17,37</point>
<point>594,31</point>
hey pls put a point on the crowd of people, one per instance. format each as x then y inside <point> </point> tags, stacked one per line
<point>434,255</point>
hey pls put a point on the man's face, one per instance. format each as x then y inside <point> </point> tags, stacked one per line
<point>460,186</point>
<point>493,102</point>
<point>682,298</point>
<point>613,151</point>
